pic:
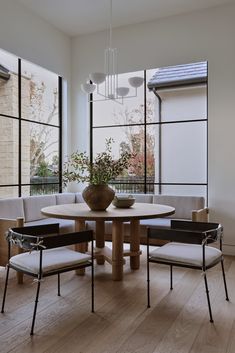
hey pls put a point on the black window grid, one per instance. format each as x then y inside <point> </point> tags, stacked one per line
<point>145,183</point>
<point>20,119</point>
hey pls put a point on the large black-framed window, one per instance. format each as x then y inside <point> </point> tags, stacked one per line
<point>30,128</point>
<point>168,128</point>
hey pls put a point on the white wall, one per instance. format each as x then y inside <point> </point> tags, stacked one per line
<point>31,38</point>
<point>204,35</point>
<point>184,146</point>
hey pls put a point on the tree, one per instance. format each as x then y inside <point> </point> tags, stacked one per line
<point>55,163</point>
<point>41,144</point>
<point>43,169</point>
<point>135,138</point>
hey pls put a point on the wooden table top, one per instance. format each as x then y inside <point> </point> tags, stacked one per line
<point>80,211</point>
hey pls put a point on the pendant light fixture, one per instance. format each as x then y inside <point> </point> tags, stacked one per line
<point>110,89</point>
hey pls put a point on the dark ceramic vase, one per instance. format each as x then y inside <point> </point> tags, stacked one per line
<point>98,197</point>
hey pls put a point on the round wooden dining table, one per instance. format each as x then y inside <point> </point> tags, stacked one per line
<point>80,213</point>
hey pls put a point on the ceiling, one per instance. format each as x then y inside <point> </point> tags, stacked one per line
<point>75,17</point>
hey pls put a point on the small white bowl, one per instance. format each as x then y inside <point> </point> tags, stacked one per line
<point>123,201</point>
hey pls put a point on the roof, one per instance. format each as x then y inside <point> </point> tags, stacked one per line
<point>4,73</point>
<point>179,75</point>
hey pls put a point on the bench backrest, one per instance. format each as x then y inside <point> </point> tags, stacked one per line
<point>30,207</point>
<point>184,205</point>
<point>11,208</point>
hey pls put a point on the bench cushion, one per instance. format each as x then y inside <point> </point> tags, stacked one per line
<point>183,204</point>
<point>11,208</point>
<point>156,222</point>
<point>66,225</point>
<point>64,198</point>
<point>78,197</point>
<point>34,204</point>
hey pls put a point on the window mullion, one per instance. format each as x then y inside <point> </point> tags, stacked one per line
<point>20,139</point>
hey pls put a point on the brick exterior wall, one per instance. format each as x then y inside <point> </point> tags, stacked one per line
<point>9,134</point>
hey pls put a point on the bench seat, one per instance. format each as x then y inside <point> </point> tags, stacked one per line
<point>28,209</point>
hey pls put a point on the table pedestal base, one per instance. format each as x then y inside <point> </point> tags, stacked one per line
<point>117,253</point>
<point>115,256</point>
<point>82,247</point>
<point>99,233</point>
<point>135,244</point>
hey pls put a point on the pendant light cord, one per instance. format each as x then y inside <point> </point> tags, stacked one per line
<point>110,24</point>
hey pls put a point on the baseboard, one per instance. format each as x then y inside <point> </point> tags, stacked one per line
<point>229,249</point>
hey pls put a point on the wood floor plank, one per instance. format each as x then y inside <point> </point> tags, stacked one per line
<point>231,340</point>
<point>153,328</point>
<point>113,314</point>
<point>184,330</point>
<point>215,337</point>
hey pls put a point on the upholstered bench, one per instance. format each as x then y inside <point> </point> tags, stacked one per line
<point>27,211</point>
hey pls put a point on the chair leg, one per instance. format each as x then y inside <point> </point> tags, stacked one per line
<point>208,297</point>
<point>171,276</point>
<point>58,293</point>
<point>35,307</point>
<point>5,289</point>
<point>224,279</point>
<point>92,289</point>
<point>148,285</point>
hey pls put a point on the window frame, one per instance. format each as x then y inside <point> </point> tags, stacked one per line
<point>19,118</point>
<point>146,185</point>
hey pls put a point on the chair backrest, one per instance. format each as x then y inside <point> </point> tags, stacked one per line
<point>46,237</point>
<point>209,230</point>
<point>42,229</point>
<point>56,241</point>
<point>31,238</point>
<point>5,224</point>
<point>188,232</point>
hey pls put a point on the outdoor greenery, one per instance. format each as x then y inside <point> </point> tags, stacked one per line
<point>42,147</point>
<point>132,122</point>
<point>102,170</point>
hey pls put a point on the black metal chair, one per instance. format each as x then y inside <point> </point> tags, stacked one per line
<point>47,255</point>
<point>187,247</point>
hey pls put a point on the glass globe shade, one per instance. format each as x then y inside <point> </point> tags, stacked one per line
<point>122,91</point>
<point>88,87</point>
<point>136,81</point>
<point>97,77</point>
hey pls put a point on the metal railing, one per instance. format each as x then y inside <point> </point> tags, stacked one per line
<point>133,185</point>
<point>44,185</point>
<point>128,184</point>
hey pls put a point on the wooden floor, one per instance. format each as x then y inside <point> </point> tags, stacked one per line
<point>177,321</point>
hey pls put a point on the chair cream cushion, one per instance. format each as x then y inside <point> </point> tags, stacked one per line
<point>186,254</point>
<point>52,260</point>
